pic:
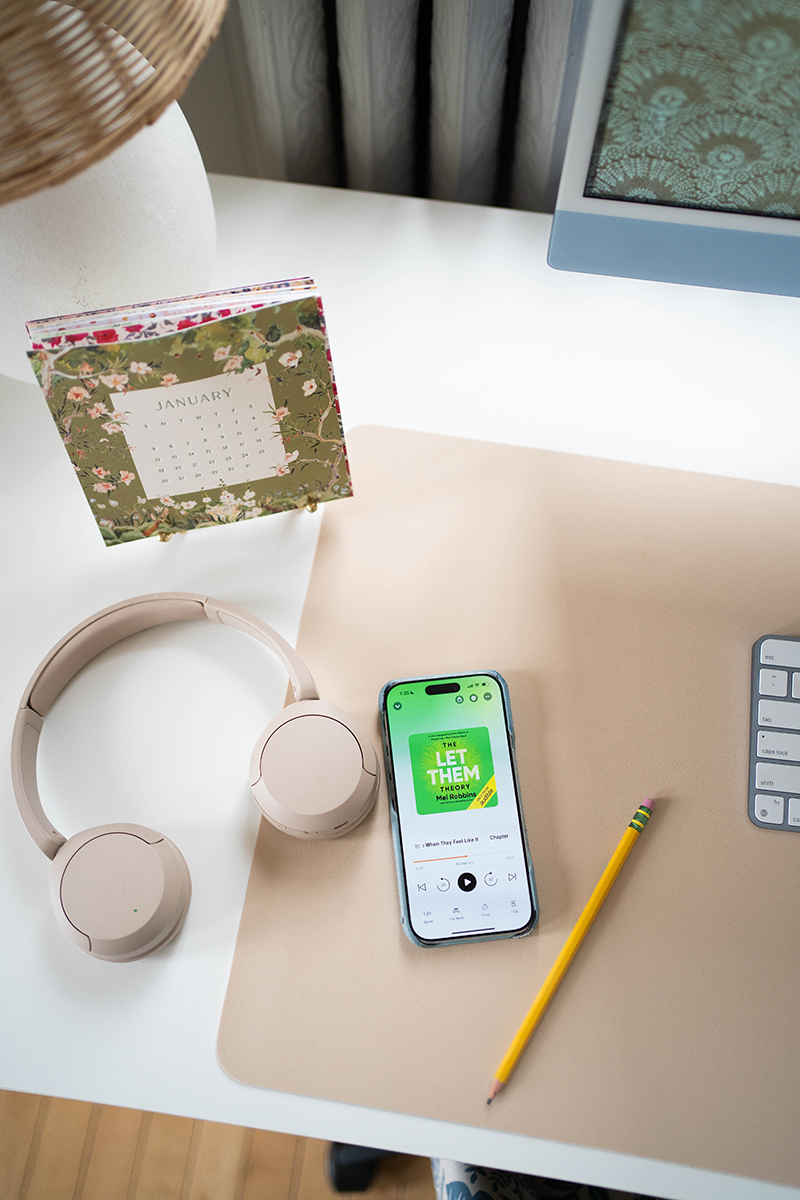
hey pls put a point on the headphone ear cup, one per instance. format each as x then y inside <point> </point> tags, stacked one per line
<point>120,891</point>
<point>314,773</point>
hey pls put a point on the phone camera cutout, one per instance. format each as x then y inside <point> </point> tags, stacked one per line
<point>441,689</point>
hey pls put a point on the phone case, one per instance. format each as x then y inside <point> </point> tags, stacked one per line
<point>405,916</point>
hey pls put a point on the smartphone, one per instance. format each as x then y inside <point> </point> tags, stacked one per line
<point>463,866</point>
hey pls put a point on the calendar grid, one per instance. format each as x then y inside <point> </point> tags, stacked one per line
<point>185,441</point>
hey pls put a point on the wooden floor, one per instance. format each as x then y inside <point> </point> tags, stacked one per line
<point>67,1150</point>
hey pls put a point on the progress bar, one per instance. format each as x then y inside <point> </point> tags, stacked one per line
<point>447,858</point>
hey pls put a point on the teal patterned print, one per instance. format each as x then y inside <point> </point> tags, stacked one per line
<point>703,108</point>
<point>463,1181</point>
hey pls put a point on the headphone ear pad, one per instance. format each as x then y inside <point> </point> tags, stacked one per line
<point>314,773</point>
<point>120,891</point>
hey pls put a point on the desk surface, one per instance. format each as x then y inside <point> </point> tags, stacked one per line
<point>491,344</point>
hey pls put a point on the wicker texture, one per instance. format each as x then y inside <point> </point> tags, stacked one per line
<point>72,89</point>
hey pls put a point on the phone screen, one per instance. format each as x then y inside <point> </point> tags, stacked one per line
<point>465,861</point>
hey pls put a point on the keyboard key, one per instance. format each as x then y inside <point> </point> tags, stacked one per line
<point>774,683</point>
<point>780,747</point>
<point>770,808</point>
<point>782,714</point>
<point>779,653</point>
<point>773,794</point>
<point>777,777</point>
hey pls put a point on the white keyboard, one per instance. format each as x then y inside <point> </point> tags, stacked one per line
<point>774,798</point>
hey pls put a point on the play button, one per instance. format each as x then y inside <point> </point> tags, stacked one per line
<point>467,882</point>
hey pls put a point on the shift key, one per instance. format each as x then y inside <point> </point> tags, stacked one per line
<point>777,777</point>
<point>779,714</point>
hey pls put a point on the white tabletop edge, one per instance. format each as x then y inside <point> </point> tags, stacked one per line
<point>697,417</point>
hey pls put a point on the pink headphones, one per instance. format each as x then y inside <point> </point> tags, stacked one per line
<point>121,891</point>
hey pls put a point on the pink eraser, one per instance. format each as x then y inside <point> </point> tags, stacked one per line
<point>648,804</point>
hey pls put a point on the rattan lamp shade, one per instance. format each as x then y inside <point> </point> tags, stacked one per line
<point>72,89</point>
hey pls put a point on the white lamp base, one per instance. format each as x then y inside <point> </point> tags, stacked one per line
<point>137,226</point>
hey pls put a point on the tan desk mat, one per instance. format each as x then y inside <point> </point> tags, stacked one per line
<point>621,603</point>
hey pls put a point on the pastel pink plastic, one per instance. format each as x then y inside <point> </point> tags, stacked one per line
<point>85,642</point>
<point>313,772</point>
<point>24,744</point>
<point>303,685</point>
<point>97,633</point>
<point>120,891</point>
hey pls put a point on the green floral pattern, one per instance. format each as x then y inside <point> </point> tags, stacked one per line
<point>85,387</point>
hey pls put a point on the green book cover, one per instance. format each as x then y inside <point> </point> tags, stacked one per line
<point>452,770</point>
<point>192,415</point>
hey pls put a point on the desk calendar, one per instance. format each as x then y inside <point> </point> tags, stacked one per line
<point>197,411</point>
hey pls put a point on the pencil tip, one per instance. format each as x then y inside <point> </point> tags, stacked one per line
<point>489,1101</point>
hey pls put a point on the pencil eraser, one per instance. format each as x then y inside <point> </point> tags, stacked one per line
<point>648,804</point>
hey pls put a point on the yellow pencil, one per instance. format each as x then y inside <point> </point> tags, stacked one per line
<point>559,967</point>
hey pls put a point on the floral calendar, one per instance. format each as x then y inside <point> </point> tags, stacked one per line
<point>198,411</point>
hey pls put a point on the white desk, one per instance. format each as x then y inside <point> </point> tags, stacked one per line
<point>444,318</point>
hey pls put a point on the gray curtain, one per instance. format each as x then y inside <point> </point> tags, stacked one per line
<point>454,99</point>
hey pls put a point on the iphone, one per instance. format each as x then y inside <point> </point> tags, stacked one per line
<point>463,866</point>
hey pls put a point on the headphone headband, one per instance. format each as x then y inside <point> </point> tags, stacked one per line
<point>85,642</point>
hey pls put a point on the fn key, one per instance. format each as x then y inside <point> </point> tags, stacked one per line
<point>769,808</point>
